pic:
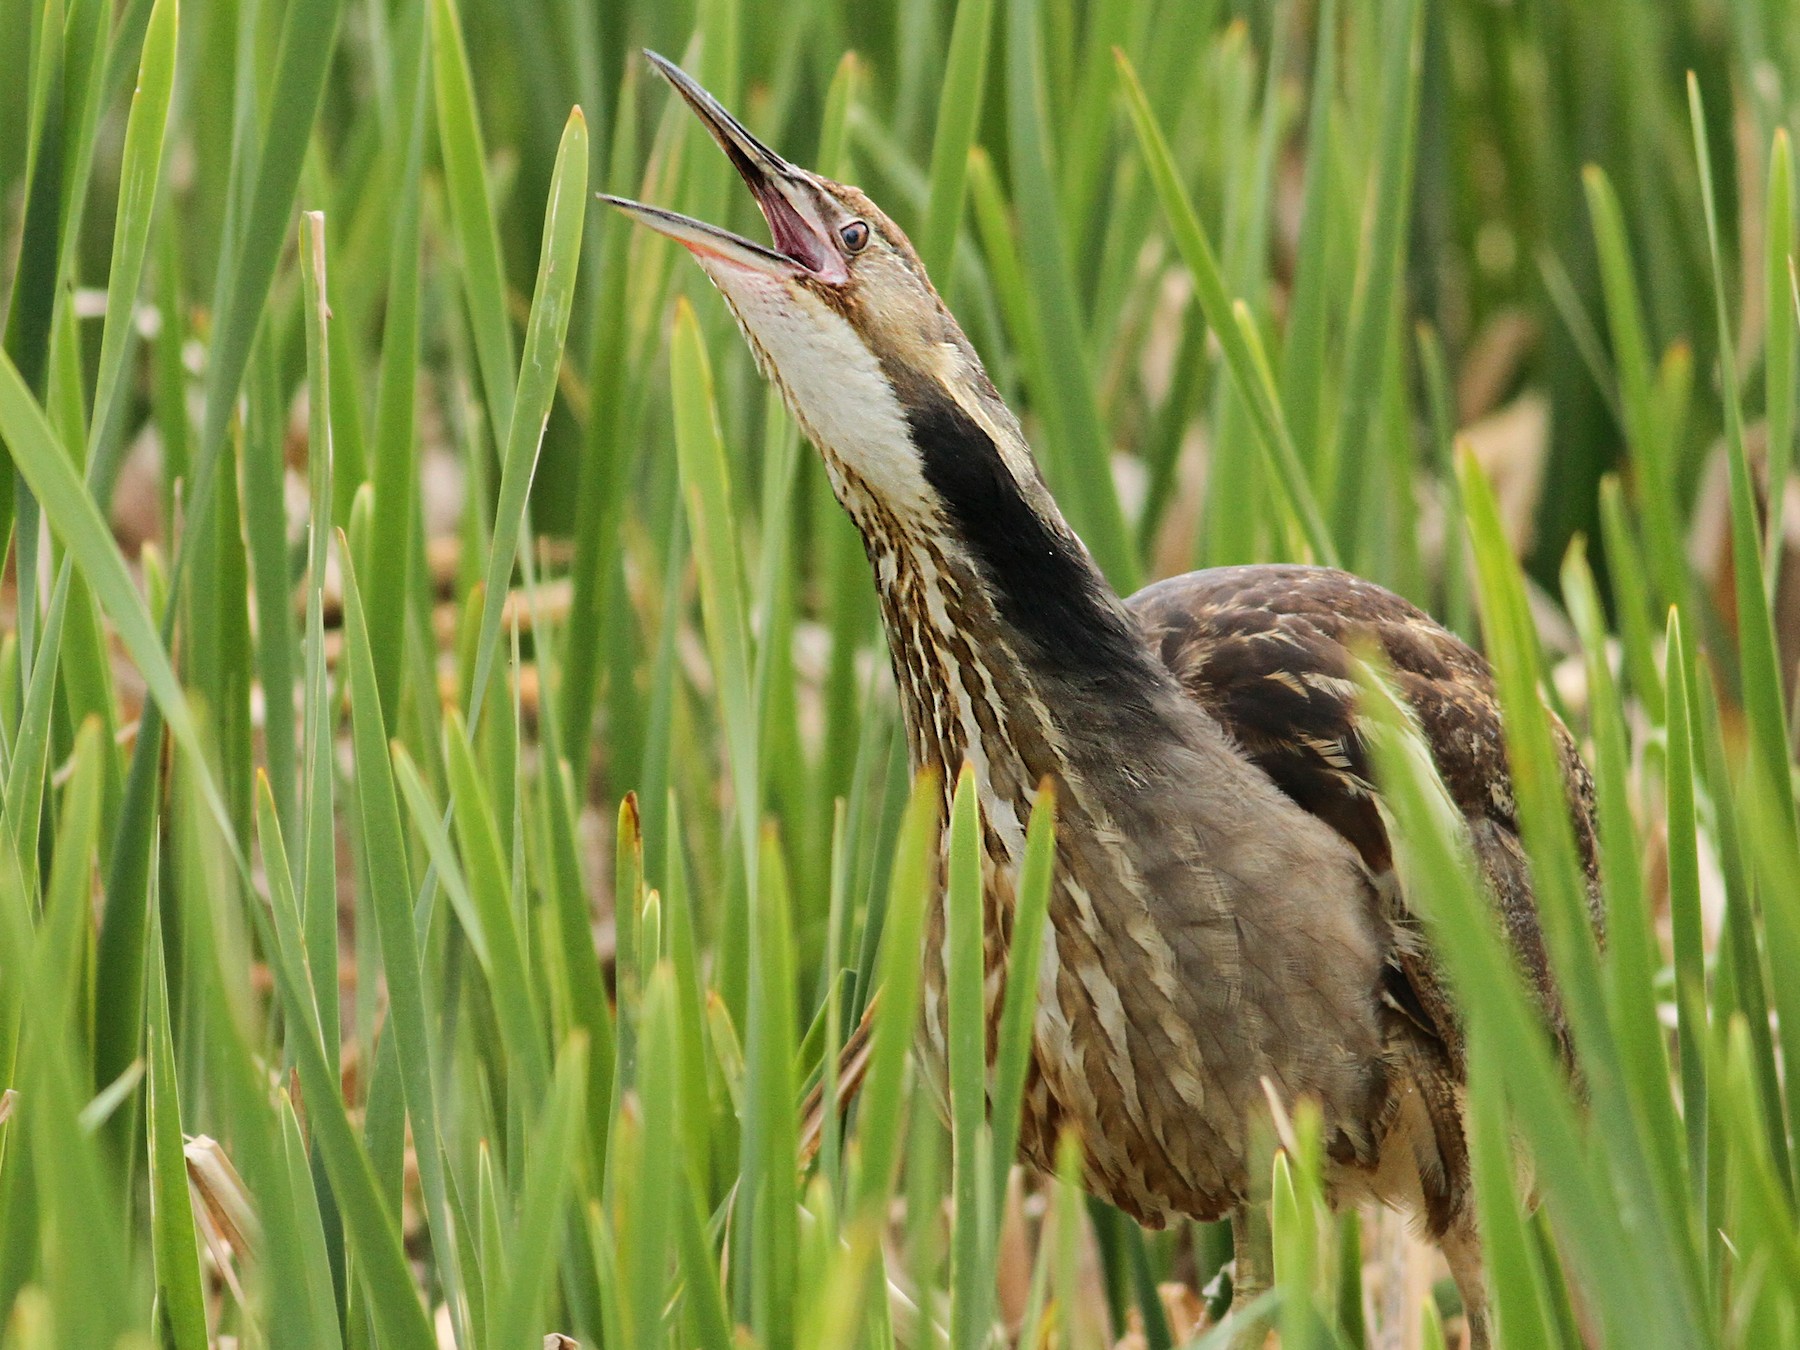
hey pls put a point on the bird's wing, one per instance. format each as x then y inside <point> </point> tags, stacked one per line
<point>1269,652</point>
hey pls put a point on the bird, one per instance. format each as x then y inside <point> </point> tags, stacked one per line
<point>1225,923</point>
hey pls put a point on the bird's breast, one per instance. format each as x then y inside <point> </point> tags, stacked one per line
<point>1169,986</point>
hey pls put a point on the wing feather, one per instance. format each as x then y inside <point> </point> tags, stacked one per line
<point>1269,652</point>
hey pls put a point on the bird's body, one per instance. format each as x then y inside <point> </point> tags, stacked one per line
<point>1225,924</point>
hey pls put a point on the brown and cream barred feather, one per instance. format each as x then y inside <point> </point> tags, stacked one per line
<point>1269,651</point>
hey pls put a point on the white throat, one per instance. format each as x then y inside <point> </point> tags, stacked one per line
<point>833,384</point>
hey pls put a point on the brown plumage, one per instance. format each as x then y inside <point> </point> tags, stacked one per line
<point>1269,652</point>
<point>1225,922</point>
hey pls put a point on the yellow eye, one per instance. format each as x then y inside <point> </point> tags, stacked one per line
<point>855,236</point>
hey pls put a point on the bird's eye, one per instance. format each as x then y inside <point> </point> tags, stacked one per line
<point>855,236</point>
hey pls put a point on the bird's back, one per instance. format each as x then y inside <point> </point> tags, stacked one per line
<point>1269,652</point>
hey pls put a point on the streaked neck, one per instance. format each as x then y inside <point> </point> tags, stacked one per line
<point>1007,642</point>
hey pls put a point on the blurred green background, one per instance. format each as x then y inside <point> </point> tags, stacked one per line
<point>347,997</point>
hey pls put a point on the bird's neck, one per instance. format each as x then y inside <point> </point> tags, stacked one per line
<point>1010,649</point>
<point>973,686</point>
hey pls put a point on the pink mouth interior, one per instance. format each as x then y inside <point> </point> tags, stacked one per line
<point>793,236</point>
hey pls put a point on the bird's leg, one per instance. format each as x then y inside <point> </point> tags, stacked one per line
<point>1252,1269</point>
<point>1461,1246</point>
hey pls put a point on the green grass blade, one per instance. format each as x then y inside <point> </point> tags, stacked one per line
<point>17,908</point>
<point>83,1253</point>
<point>589,1010</point>
<point>767,1191</point>
<point>491,1256</point>
<point>217,657</point>
<point>1379,271</point>
<point>959,109</point>
<point>967,1053</point>
<point>1006,271</point>
<point>284,909</point>
<point>1457,612</point>
<point>268,179</point>
<point>1273,436</point>
<point>1064,392</point>
<point>89,689</point>
<point>309,1236</point>
<point>1766,1253</point>
<point>495,934</point>
<point>317,877</point>
<point>834,130</point>
<point>772,677</point>
<point>1012,1055</point>
<point>85,30</point>
<point>1685,931</point>
<point>1757,656</point>
<point>707,489</point>
<point>1632,957</point>
<point>1776,854</point>
<point>49,471</point>
<point>541,1203</point>
<point>1562,908</point>
<point>369,1223</point>
<point>1631,599</point>
<point>396,396</point>
<point>390,882</point>
<point>1294,1229</point>
<point>264,527</point>
<point>1738,984</point>
<point>1646,431</point>
<point>1779,370</point>
<point>1503,1025</point>
<point>545,332</point>
<point>471,213</point>
<point>26,774</point>
<point>1303,354</point>
<point>33,303</point>
<point>881,1113</point>
<point>1086,128</point>
<point>180,1295</point>
<point>139,172</point>
<point>607,454</point>
<point>1559,286</point>
<point>56,971</point>
<point>659,1183</point>
<point>684,955</point>
<point>119,949</point>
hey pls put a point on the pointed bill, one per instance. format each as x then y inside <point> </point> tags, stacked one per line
<point>754,160</point>
<point>711,240</point>
<point>788,196</point>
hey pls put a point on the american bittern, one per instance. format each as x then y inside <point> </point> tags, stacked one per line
<point>1225,910</point>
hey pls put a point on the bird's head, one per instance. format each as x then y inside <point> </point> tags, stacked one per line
<point>843,318</point>
<point>919,445</point>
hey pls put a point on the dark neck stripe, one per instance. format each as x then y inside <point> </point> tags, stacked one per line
<point>1042,582</point>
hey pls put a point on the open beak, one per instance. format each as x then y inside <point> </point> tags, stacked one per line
<point>802,246</point>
